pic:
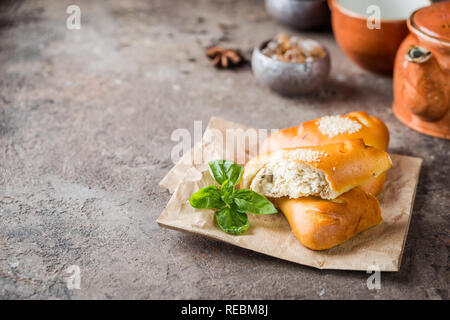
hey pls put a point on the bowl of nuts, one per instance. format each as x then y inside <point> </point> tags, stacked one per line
<point>291,65</point>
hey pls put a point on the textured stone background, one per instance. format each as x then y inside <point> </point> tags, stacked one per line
<point>85,124</point>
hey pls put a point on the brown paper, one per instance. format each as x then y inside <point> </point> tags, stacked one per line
<point>380,247</point>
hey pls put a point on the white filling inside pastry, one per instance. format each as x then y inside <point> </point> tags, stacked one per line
<point>281,176</point>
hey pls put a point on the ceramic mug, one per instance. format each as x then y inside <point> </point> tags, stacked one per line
<point>370,45</point>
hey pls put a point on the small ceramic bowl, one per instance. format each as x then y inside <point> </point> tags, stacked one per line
<point>358,35</point>
<point>289,78</point>
<point>299,14</point>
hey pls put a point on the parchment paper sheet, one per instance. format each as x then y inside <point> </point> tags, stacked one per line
<point>381,246</point>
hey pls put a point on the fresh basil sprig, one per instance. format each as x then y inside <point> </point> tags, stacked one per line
<point>232,205</point>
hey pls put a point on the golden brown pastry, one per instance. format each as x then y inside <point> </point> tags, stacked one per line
<point>325,171</point>
<point>322,224</point>
<point>330,129</point>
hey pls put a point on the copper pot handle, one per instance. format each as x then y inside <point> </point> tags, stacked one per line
<point>428,100</point>
<point>417,54</point>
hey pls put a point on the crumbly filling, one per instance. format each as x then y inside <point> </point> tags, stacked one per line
<point>334,125</point>
<point>281,176</point>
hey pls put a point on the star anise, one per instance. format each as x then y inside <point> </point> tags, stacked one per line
<point>224,58</point>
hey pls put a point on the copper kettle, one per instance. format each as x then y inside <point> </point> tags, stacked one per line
<point>422,72</point>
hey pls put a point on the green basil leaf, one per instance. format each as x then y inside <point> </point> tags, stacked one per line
<point>223,170</point>
<point>233,172</point>
<point>252,202</point>
<point>227,192</point>
<point>232,221</point>
<point>207,198</point>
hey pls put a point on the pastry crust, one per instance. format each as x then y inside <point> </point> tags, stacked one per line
<point>343,165</point>
<point>322,224</point>
<point>371,129</point>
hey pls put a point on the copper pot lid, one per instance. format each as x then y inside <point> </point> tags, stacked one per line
<point>434,21</point>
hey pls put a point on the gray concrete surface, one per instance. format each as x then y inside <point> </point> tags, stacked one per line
<point>85,123</point>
